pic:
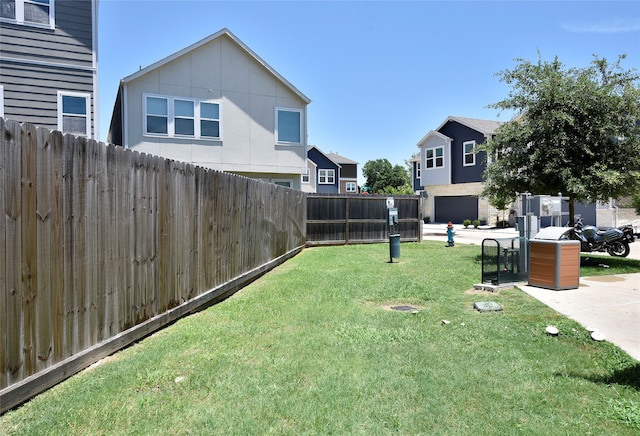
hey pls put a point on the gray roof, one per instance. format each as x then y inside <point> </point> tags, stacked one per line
<point>340,159</point>
<point>487,127</point>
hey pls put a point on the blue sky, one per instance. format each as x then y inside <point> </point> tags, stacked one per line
<point>380,74</point>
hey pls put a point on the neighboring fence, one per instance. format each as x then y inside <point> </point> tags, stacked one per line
<point>356,219</point>
<point>100,246</point>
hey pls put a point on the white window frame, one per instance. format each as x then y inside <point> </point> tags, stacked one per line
<point>434,158</point>
<point>306,176</point>
<point>418,170</point>
<point>171,117</point>
<point>282,182</point>
<point>87,115</point>
<point>19,19</point>
<point>191,118</point>
<point>465,153</point>
<point>277,114</point>
<point>326,177</point>
<point>1,101</point>
<point>351,187</point>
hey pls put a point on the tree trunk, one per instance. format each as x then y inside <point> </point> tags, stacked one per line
<point>572,208</point>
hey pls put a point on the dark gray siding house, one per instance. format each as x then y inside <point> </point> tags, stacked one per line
<point>48,64</point>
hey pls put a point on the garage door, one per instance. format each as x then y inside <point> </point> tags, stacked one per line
<point>456,209</point>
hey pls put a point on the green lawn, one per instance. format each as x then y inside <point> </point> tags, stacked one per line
<point>312,348</point>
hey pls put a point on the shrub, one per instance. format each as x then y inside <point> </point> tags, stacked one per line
<point>476,224</point>
<point>466,223</point>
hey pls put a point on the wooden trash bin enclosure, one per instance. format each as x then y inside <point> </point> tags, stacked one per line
<point>554,264</point>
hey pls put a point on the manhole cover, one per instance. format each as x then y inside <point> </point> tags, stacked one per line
<point>405,308</point>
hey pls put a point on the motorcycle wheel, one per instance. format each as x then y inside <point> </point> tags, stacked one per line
<point>619,249</point>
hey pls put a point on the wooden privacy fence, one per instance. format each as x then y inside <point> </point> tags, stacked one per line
<point>356,219</point>
<point>100,246</point>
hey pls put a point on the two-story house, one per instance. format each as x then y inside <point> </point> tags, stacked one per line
<point>329,173</point>
<point>48,64</point>
<point>216,104</point>
<point>347,174</point>
<point>451,169</point>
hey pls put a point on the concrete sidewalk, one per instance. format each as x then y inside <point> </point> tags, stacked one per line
<point>609,304</point>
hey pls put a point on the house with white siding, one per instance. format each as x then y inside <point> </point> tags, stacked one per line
<point>48,64</point>
<point>216,104</point>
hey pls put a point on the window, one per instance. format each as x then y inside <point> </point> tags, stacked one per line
<point>288,126</point>
<point>469,153</point>
<point>417,170</point>
<point>29,12</point>
<point>73,113</point>
<point>169,116</point>
<point>157,119</point>
<point>305,176</point>
<point>326,177</point>
<point>209,120</point>
<point>351,187</point>
<point>434,157</point>
<point>184,117</point>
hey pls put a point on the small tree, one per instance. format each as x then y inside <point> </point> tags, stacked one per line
<point>577,133</point>
<point>382,177</point>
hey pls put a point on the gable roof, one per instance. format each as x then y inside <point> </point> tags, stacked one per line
<point>327,155</point>
<point>486,127</point>
<point>436,134</point>
<point>340,159</point>
<point>192,47</point>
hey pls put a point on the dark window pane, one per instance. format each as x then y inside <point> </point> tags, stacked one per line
<point>184,126</point>
<point>210,128</point>
<point>74,105</point>
<point>156,124</point>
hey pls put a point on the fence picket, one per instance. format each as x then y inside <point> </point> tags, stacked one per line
<point>14,363</point>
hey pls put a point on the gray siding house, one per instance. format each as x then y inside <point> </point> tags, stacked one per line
<point>48,64</point>
<point>218,105</point>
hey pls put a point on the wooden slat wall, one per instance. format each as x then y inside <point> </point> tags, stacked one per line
<point>100,245</point>
<point>356,219</point>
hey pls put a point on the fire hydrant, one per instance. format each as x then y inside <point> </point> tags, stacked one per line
<point>450,232</point>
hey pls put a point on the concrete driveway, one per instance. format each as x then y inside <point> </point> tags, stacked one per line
<point>607,304</point>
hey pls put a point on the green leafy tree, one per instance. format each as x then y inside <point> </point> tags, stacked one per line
<point>382,177</point>
<point>577,133</point>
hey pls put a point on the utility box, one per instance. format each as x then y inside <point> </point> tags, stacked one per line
<point>394,234</point>
<point>554,263</point>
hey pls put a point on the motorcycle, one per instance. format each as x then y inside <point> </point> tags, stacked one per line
<point>614,241</point>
